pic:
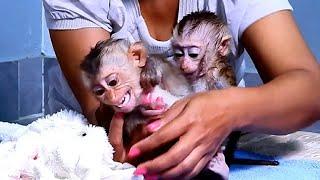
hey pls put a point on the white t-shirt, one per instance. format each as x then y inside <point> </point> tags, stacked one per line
<point>123,20</point>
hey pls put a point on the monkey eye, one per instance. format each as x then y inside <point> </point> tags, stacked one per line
<point>99,91</point>
<point>193,55</point>
<point>112,80</point>
<point>194,52</point>
<point>178,53</point>
<point>112,83</point>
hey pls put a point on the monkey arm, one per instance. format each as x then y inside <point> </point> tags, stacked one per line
<point>70,51</point>
<point>150,74</point>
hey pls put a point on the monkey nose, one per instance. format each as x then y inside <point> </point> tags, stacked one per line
<point>111,96</point>
<point>184,67</point>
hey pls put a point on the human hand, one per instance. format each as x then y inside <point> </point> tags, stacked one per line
<point>199,124</point>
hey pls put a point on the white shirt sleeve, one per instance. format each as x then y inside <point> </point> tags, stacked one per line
<point>75,14</point>
<point>257,9</point>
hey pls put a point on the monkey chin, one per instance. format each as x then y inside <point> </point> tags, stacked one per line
<point>127,104</point>
<point>191,76</point>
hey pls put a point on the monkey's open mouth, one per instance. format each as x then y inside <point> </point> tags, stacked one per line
<point>125,100</point>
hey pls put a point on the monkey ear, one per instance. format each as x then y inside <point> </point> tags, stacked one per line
<point>224,46</point>
<point>138,53</point>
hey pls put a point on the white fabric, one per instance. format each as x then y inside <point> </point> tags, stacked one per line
<point>59,146</point>
<point>123,19</point>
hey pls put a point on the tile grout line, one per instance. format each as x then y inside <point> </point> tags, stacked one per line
<point>19,88</point>
<point>42,85</point>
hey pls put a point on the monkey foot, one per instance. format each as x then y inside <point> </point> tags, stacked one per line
<point>218,165</point>
<point>152,105</point>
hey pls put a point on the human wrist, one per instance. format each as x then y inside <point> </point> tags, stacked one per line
<point>239,107</point>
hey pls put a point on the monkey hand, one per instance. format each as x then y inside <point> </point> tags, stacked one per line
<point>115,136</point>
<point>152,105</point>
<point>199,124</point>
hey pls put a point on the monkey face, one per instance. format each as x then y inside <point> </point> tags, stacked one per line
<point>188,57</point>
<point>118,86</point>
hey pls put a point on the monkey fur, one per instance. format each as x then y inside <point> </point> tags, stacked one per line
<point>118,73</point>
<point>201,45</point>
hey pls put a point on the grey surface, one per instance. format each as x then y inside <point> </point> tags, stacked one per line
<point>30,79</point>
<point>9,91</point>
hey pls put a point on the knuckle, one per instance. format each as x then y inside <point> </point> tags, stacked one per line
<point>174,158</point>
<point>185,167</point>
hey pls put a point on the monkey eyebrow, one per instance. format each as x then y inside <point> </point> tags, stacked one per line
<point>185,46</point>
<point>123,84</point>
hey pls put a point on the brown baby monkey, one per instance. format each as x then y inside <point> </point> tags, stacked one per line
<point>121,76</point>
<point>201,45</point>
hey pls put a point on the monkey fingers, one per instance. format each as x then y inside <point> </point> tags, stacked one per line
<point>115,137</point>
<point>152,112</point>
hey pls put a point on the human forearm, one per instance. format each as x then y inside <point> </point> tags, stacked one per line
<point>70,51</point>
<point>289,102</point>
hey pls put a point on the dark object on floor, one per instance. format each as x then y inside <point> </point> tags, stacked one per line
<point>230,154</point>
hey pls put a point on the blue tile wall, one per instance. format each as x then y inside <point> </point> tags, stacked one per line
<point>21,29</point>
<point>9,102</point>
<point>306,14</point>
<point>49,63</point>
<point>252,79</point>
<point>30,80</point>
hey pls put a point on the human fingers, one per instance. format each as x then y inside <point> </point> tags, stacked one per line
<point>115,136</point>
<point>167,116</point>
<point>165,135</point>
<point>176,154</point>
<point>190,166</point>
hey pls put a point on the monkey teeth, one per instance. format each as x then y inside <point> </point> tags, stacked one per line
<point>124,100</point>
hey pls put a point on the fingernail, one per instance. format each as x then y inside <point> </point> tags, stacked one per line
<point>151,177</point>
<point>134,152</point>
<point>154,126</point>
<point>140,171</point>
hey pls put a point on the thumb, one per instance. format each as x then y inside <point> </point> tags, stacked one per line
<point>115,136</point>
